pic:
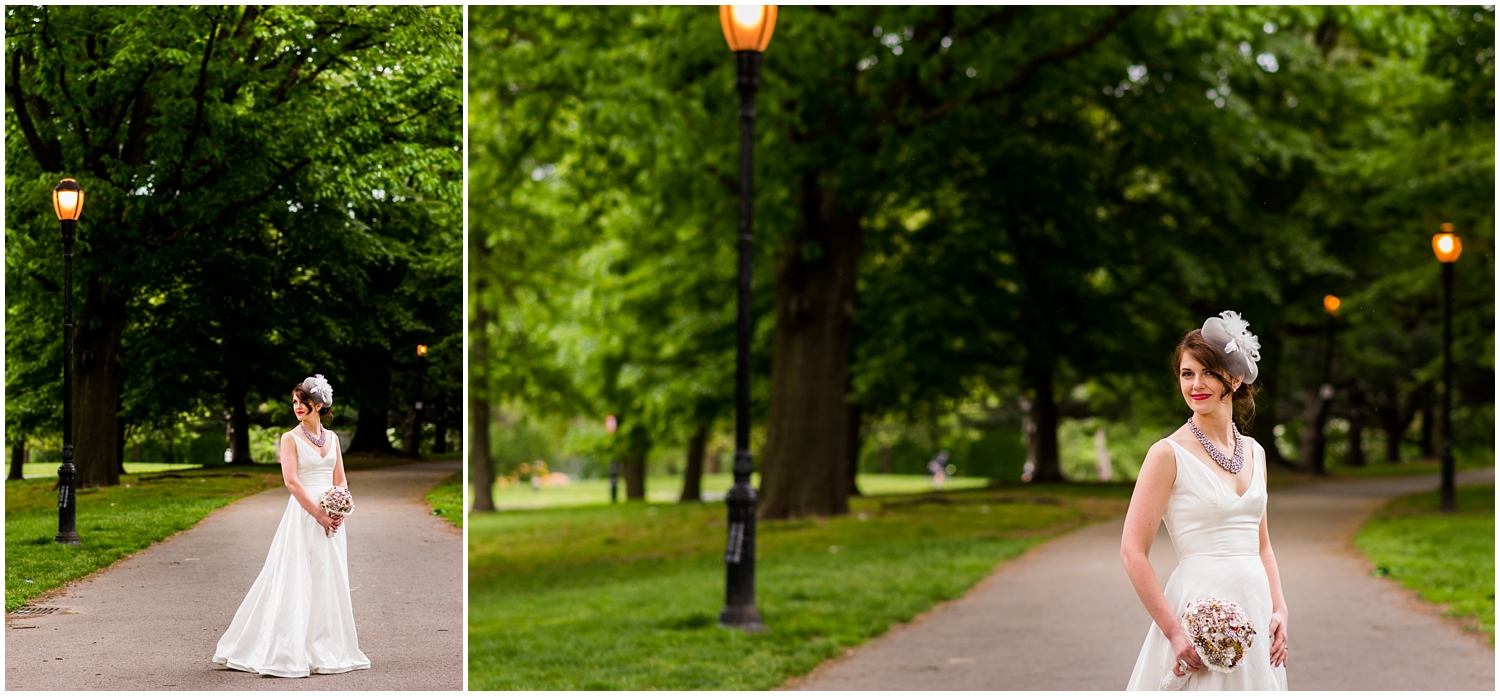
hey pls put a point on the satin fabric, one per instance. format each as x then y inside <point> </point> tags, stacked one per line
<point>297,618</point>
<point>1217,537</point>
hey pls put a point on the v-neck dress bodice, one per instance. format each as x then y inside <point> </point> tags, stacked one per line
<point>297,618</point>
<point>1216,535</point>
<point>315,469</point>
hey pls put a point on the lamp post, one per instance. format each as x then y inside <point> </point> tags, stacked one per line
<point>747,29</point>
<point>610,424</point>
<point>1331,307</point>
<point>1447,246</point>
<point>67,200</point>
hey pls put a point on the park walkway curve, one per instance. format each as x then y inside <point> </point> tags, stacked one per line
<point>1064,616</point>
<point>151,621</point>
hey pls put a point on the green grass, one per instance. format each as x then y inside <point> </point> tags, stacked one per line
<point>49,469</point>
<point>627,596</point>
<point>112,522</point>
<point>1462,461</point>
<point>667,489</point>
<point>1447,558</point>
<point>447,499</point>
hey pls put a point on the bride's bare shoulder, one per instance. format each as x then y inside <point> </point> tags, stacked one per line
<point>1160,455</point>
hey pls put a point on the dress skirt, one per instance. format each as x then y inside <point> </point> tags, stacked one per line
<point>297,618</point>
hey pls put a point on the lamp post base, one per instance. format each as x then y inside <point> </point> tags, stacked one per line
<point>70,538</point>
<point>744,617</point>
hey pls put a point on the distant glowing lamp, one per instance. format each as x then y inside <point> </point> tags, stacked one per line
<point>421,349</point>
<point>1447,245</point>
<point>1331,304</point>
<point>747,27</point>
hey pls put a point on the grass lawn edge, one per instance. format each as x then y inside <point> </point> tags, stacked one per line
<point>446,499</point>
<point>1363,544</point>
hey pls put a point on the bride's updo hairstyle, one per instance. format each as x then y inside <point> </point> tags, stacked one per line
<point>315,390</point>
<point>1227,350</point>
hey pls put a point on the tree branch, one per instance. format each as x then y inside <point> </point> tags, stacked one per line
<point>48,153</point>
<point>1029,70</point>
<point>174,182</point>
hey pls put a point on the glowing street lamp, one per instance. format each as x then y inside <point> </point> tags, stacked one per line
<point>747,30</point>
<point>421,349</point>
<point>67,201</point>
<point>1447,247</point>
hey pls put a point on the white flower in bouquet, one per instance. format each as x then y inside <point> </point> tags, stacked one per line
<point>337,502</point>
<point>1220,632</point>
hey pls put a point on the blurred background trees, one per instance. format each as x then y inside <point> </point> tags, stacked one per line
<point>271,192</point>
<point>978,229</point>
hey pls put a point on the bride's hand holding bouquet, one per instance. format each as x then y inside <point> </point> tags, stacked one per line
<point>336,504</point>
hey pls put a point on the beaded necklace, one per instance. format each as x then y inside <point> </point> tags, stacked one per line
<point>1233,465</point>
<point>317,441</point>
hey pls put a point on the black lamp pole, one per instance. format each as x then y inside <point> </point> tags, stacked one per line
<point>1449,502</point>
<point>739,555</point>
<point>67,474</point>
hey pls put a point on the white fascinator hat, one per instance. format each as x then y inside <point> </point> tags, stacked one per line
<point>320,389</point>
<point>1240,349</point>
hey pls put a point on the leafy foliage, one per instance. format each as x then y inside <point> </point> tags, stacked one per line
<point>1041,201</point>
<point>270,191</point>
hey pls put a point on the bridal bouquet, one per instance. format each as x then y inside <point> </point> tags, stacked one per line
<point>337,502</point>
<point>1221,633</point>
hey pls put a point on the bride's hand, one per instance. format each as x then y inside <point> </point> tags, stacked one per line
<point>329,523</point>
<point>1278,638</point>
<point>1183,648</point>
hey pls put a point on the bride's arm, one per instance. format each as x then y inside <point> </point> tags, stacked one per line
<point>338,467</point>
<point>1147,505</point>
<point>293,484</point>
<point>1279,614</point>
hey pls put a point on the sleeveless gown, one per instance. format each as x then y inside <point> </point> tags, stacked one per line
<point>1217,538</point>
<point>297,619</point>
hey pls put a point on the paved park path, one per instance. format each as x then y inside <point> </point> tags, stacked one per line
<point>1064,616</point>
<point>151,621</point>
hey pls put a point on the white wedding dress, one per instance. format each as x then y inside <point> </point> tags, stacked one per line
<point>297,619</point>
<point>1217,538</point>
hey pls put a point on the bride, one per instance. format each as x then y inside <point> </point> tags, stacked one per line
<point>1208,483</point>
<point>297,619</point>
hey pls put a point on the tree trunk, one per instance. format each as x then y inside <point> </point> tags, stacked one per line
<point>885,459</point>
<point>805,467</point>
<point>413,436</point>
<point>480,470</point>
<point>1429,425</point>
<point>440,426</point>
<point>481,473</point>
<point>633,465</point>
<point>1393,421</point>
<point>1041,446</point>
<point>121,426</point>
<point>1355,456</point>
<point>1267,417</point>
<point>1313,443</point>
<point>17,459</point>
<point>239,426</point>
<point>692,478</point>
<point>855,424</point>
<point>372,398</point>
<point>97,381</point>
<point>713,466</point>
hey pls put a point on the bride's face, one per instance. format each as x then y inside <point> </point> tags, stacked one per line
<point>301,409</point>
<point>1202,391</point>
